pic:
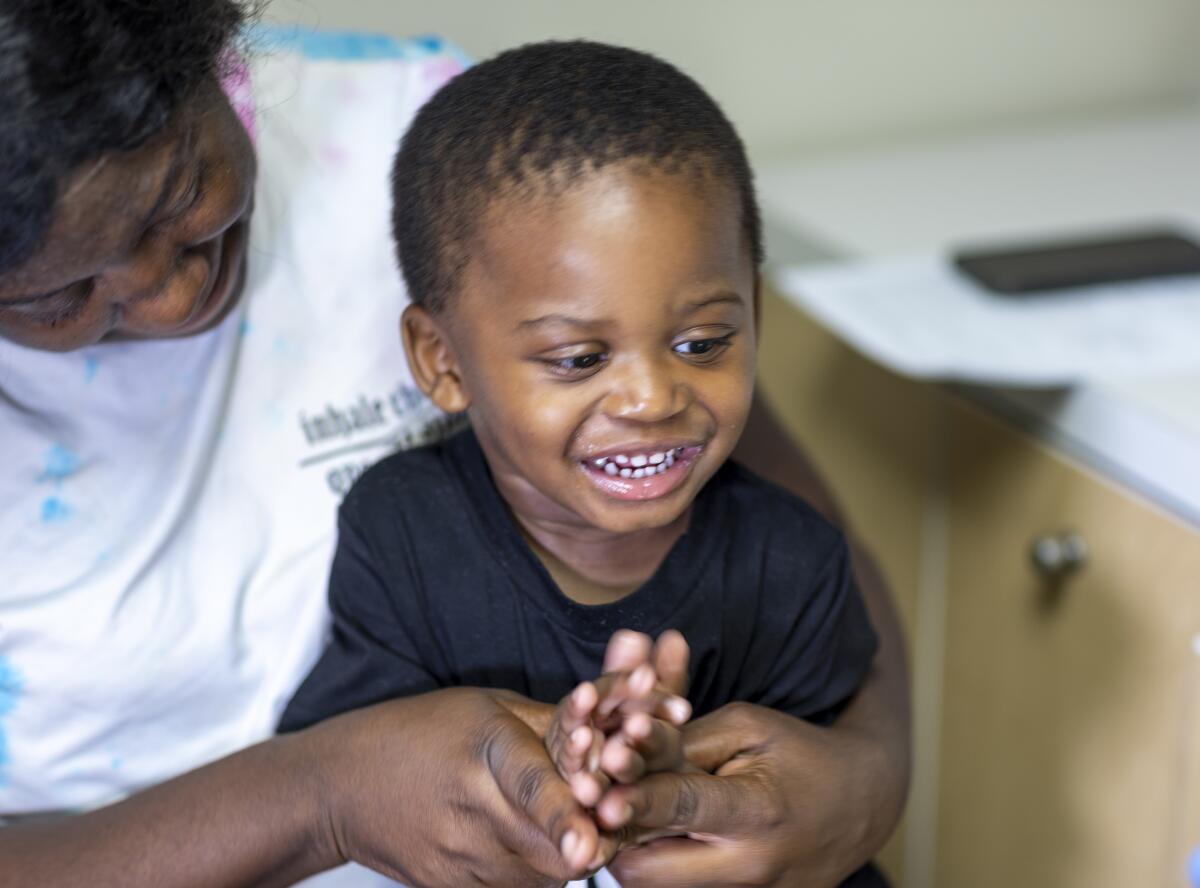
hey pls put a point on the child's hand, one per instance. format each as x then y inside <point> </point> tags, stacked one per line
<point>640,726</point>
<point>622,726</point>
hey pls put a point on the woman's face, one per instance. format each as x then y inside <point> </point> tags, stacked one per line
<point>144,244</point>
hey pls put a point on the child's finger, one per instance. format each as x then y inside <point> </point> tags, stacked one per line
<point>644,745</point>
<point>621,762</point>
<point>626,651</point>
<point>670,658</point>
<point>627,690</point>
<point>569,752</point>
<point>589,787</point>
<point>571,741</point>
<point>658,743</point>
<point>676,710</point>
<point>576,710</point>
<point>621,694</point>
<point>588,782</point>
<point>573,754</point>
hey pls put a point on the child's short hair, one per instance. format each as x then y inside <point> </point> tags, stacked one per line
<point>551,112</point>
<point>82,78</point>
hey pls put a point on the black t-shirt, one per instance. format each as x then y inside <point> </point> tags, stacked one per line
<point>433,586</point>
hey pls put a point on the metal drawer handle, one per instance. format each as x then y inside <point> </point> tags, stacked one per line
<point>1058,555</point>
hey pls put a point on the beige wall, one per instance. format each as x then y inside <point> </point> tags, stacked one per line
<point>812,73</point>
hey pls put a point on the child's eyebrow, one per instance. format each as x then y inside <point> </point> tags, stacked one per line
<point>560,319</point>
<point>716,299</point>
<point>724,297</point>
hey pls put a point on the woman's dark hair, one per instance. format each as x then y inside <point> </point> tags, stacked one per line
<point>542,115</point>
<point>81,78</point>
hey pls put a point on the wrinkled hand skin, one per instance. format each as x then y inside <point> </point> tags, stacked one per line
<point>470,797</point>
<point>776,808</point>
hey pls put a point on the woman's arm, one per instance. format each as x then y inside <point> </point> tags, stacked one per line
<point>249,819</point>
<point>880,714</point>
<point>881,708</point>
<point>446,789</point>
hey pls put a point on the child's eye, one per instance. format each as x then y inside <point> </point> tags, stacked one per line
<point>702,350</point>
<point>576,366</point>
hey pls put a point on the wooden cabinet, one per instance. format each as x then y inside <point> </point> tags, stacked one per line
<point>872,434</point>
<point>1057,727</point>
<point>1068,710</point>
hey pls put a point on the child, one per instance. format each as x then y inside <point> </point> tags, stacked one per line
<point>579,233</point>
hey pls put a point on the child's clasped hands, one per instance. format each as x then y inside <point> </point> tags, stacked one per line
<point>614,731</point>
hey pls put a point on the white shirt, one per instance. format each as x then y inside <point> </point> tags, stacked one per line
<point>167,509</point>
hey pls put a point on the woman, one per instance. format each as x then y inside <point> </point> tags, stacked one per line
<point>193,369</point>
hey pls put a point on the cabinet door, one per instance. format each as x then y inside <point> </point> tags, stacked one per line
<point>871,433</point>
<point>1069,723</point>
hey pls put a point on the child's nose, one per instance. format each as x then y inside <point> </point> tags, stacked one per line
<point>645,391</point>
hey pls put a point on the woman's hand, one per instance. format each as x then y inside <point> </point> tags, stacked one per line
<point>448,789</point>
<point>786,803</point>
<point>452,788</point>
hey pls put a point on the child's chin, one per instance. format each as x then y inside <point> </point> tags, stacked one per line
<point>632,517</point>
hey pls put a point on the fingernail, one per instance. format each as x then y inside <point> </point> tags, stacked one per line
<point>626,813</point>
<point>570,842</point>
<point>639,726</point>
<point>642,679</point>
<point>680,709</point>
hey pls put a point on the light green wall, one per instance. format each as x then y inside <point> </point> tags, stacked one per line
<point>811,73</point>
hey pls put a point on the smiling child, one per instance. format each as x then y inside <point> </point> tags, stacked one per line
<point>579,233</point>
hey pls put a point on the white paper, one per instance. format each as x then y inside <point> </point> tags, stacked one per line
<point>921,317</point>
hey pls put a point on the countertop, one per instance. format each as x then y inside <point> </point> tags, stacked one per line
<point>1061,178</point>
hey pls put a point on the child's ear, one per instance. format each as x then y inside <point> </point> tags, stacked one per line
<point>431,361</point>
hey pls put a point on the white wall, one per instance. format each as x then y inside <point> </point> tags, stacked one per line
<point>811,73</point>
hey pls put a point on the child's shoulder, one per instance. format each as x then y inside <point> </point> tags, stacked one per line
<point>422,478</point>
<point>776,516</point>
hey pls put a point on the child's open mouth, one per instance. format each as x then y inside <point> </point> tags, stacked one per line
<point>641,475</point>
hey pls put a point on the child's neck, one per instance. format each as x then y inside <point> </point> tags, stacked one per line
<point>592,567</point>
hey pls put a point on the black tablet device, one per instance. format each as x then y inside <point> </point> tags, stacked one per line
<point>1053,266</point>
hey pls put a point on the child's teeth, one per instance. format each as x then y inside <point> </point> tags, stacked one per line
<point>640,465</point>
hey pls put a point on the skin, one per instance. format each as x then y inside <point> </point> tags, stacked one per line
<point>623,725</point>
<point>829,794</point>
<point>631,251</point>
<point>295,805</point>
<point>145,244</point>
<point>614,317</point>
